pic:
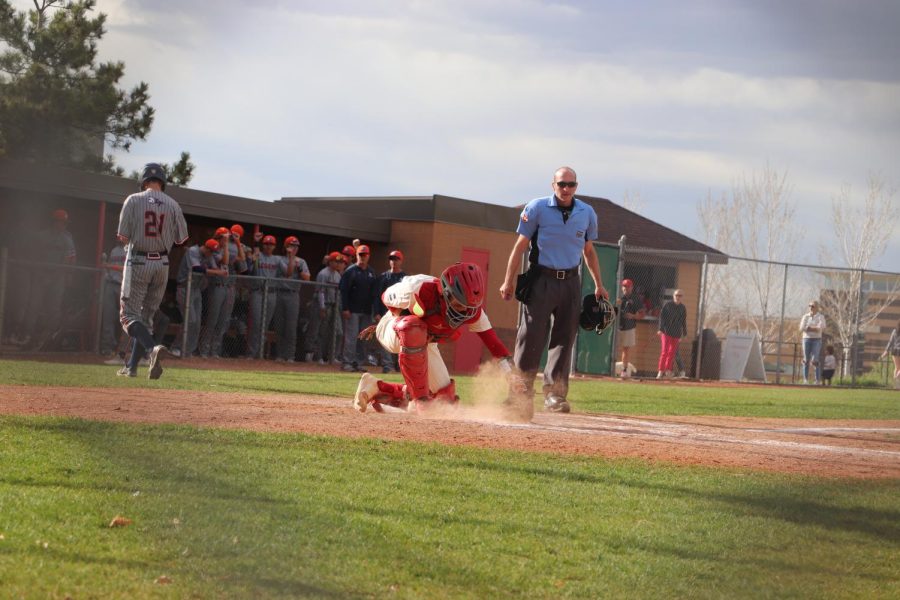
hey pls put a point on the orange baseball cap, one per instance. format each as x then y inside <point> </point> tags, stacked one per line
<point>363,249</point>
<point>627,283</point>
<point>396,254</point>
<point>238,230</point>
<point>291,240</point>
<point>212,244</point>
<point>349,250</point>
<point>222,231</point>
<point>269,239</point>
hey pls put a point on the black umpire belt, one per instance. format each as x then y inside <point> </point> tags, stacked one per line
<point>150,255</point>
<point>560,273</point>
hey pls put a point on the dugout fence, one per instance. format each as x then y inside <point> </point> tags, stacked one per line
<point>73,308</point>
<point>725,294</point>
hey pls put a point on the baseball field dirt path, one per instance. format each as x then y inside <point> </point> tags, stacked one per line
<point>861,449</point>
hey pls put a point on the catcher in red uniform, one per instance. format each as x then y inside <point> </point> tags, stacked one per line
<point>425,311</point>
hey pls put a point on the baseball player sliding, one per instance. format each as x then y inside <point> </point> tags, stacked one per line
<point>150,222</point>
<point>425,311</point>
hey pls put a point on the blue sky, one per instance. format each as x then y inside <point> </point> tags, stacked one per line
<point>484,99</point>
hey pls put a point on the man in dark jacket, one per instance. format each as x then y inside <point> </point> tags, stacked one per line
<point>358,288</point>
<point>672,327</point>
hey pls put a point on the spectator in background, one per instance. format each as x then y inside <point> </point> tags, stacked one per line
<point>220,294</point>
<point>829,365</point>
<point>43,315</point>
<point>110,328</point>
<point>198,263</point>
<point>812,325</point>
<point>327,300</point>
<point>893,348</point>
<point>672,327</point>
<point>630,309</point>
<point>264,267</point>
<point>358,288</point>
<point>393,275</point>
<point>349,253</point>
<point>293,270</point>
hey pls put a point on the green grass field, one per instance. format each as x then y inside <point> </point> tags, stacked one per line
<point>586,395</point>
<point>241,514</point>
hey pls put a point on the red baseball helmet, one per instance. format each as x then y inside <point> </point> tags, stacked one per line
<point>238,230</point>
<point>349,250</point>
<point>222,231</point>
<point>462,292</point>
<point>269,239</point>
<point>363,249</point>
<point>212,244</point>
<point>396,254</point>
<point>291,240</point>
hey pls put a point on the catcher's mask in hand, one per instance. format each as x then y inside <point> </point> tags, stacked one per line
<point>596,315</point>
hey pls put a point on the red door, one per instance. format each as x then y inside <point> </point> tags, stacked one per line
<point>469,347</point>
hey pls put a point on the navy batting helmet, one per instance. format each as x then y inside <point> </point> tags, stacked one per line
<point>596,315</point>
<point>153,171</point>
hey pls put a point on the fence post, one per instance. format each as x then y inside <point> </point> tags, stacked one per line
<point>3,266</point>
<point>264,321</point>
<point>98,330</point>
<point>781,326</point>
<point>186,317</point>
<point>701,322</point>
<point>614,334</point>
<point>854,345</point>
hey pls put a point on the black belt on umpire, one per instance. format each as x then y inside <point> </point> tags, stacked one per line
<point>560,273</point>
<point>150,255</point>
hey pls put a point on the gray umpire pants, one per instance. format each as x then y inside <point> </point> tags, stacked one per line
<point>553,310</point>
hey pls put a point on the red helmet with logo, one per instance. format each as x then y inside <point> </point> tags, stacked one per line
<point>269,239</point>
<point>462,292</point>
<point>291,240</point>
<point>222,231</point>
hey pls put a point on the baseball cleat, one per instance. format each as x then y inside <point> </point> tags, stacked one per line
<point>365,391</point>
<point>155,368</point>
<point>556,404</point>
<point>126,372</point>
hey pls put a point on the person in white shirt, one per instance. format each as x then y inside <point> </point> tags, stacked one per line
<point>812,325</point>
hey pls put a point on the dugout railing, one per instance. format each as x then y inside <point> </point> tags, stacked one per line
<point>74,308</point>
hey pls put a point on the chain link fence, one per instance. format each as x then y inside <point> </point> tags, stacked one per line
<point>70,308</point>
<point>729,295</point>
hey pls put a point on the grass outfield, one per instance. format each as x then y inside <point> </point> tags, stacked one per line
<point>602,396</point>
<point>243,514</point>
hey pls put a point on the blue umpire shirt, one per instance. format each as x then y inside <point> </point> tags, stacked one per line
<point>560,243</point>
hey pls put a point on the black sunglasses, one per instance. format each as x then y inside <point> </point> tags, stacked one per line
<point>393,258</point>
<point>565,184</point>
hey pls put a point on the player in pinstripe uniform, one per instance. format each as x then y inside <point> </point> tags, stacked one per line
<point>220,295</point>
<point>293,269</point>
<point>266,266</point>
<point>150,222</point>
<point>198,263</point>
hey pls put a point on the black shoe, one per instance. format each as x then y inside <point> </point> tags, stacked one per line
<point>556,404</point>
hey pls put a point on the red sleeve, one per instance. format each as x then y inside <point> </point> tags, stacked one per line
<point>493,343</point>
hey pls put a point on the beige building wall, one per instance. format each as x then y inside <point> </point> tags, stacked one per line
<point>432,247</point>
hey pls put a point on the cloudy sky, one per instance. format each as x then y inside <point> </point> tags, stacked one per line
<point>483,99</point>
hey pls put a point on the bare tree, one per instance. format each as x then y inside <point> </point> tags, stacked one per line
<point>633,201</point>
<point>754,221</point>
<point>862,231</point>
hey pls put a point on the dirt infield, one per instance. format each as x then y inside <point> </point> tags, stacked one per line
<point>862,449</point>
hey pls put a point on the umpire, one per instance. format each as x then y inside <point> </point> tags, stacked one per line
<point>563,230</point>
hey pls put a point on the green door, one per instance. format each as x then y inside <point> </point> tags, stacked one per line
<point>592,351</point>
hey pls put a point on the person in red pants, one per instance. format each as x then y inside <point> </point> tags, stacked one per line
<point>672,327</point>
